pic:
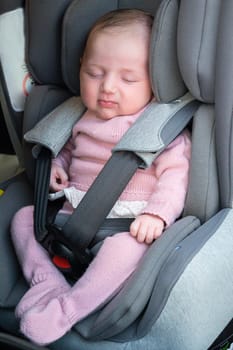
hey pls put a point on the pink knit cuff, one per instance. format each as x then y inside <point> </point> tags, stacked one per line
<point>164,210</point>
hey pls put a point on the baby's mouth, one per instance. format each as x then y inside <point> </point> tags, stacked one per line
<point>107,103</point>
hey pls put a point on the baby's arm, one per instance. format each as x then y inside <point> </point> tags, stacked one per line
<point>146,228</point>
<point>167,201</point>
<point>60,166</point>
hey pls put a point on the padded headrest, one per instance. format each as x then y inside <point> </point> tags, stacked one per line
<point>197,42</point>
<point>43,39</point>
<point>166,80</point>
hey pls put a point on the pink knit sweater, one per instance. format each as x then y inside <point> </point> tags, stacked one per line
<point>163,185</point>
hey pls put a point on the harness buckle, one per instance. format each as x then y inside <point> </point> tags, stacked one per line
<point>70,260</point>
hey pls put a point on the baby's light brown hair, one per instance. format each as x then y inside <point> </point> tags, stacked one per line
<point>123,18</point>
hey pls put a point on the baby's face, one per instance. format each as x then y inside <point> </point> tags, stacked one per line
<point>114,74</point>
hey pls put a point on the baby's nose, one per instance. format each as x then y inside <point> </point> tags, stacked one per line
<point>109,84</point>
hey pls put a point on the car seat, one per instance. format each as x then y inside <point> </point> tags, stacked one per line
<point>197,308</point>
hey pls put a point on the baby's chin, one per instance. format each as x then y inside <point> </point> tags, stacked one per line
<point>106,115</point>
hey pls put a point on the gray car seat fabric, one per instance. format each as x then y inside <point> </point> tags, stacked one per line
<point>197,307</point>
<point>224,104</point>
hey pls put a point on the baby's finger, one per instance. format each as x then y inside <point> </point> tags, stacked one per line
<point>141,236</point>
<point>149,236</point>
<point>134,227</point>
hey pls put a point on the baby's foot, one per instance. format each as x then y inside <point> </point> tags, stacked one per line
<point>41,294</point>
<point>45,324</point>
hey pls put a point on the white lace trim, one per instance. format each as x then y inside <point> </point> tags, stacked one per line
<point>121,209</point>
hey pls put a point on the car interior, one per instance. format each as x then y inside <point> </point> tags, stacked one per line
<point>180,297</point>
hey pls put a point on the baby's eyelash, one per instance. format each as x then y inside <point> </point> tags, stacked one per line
<point>94,75</point>
<point>129,80</point>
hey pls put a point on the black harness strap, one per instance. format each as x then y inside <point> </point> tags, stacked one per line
<point>100,198</point>
<point>44,212</point>
<point>72,240</point>
<point>42,180</point>
<point>90,213</point>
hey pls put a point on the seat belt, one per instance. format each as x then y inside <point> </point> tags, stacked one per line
<point>100,198</point>
<point>42,181</point>
<point>90,213</point>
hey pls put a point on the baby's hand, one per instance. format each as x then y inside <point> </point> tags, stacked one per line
<point>146,228</point>
<point>58,178</point>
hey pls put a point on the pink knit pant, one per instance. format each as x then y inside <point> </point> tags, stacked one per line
<point>50,299</point>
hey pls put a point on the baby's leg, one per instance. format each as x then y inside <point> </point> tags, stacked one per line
<point>40,273</point>
<point>117,259</point>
